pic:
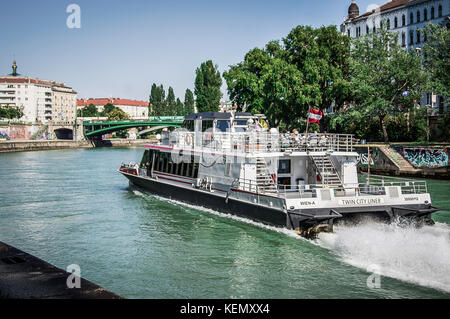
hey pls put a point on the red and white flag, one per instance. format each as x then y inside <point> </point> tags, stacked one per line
<point>314,116</point>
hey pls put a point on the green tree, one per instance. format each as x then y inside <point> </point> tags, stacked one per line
<point>107,109</point>
<point>171,109</point>
<point>437,58</point>
<point>157,100</point>
<point>385,79</point>
<point>188,102</point>
<point>117,115</point>
<point>10,112</point>
<point>309,69</point>
<point>207,87</point>
<point>180,108</point>
<point>88,111</point>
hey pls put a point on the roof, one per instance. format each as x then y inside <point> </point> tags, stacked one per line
<point>389,5</point>
<point>208,115</point>
<point>114,101</point>
<point>27,80</point>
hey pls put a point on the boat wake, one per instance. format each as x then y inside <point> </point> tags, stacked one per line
<point>415,255</point>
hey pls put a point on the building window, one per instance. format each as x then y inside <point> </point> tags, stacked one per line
<point>403,20</point>
<point>403,39</point>
<point>425,14</point>
<point>348,32</point>
<point>440,11</point>
<point>367,29</point>
<point>411,18</point>
<point>432,12</point>
<point>418,16</point>
<point>395,22</point>
<point>388,24</point>
<point>418,36</point>
<point>411,37</point>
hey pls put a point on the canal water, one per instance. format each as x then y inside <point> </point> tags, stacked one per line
<point>72,207</point>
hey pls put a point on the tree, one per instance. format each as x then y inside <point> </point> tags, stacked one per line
<point>88,111</point>
<point>437,58</point>
<point>180,108</point>
<point>283,80</point>
<point>207,87</point>
<point>188,102</point>
<point>117,115</point>
<point>385,79</point>
<point>10,112</point>
<point>171,106</point>
<point>107,109</point>
<point>157,101</point>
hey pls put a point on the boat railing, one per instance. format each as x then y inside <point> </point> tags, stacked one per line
<point>258,141</point>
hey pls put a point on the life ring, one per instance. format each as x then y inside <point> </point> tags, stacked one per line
<point>188,139</point>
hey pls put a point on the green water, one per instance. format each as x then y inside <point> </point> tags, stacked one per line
<point>72,207</point>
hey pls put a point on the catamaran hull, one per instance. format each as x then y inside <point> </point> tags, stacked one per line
<point>302,220</point>
<point>214,201</point>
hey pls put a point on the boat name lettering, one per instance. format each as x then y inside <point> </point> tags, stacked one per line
<point>411,198</point>
<point>361,201</point>
<point>307,203</point>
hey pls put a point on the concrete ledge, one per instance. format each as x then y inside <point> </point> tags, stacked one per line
<point>24,276</point>
<point>24,146</point>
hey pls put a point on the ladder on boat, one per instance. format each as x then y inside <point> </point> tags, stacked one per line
<point>263,178</point>
<point>327,171</point>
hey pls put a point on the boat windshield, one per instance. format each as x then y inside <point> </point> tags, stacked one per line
<point>223,126</point>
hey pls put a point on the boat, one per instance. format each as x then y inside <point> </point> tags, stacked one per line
<point>232,163</point>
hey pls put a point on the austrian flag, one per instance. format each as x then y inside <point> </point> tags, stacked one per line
<point>314,116</point>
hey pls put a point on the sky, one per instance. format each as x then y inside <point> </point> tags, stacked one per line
<point>122,47</point>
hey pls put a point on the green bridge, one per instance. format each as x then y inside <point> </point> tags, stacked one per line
<point>93,129</point>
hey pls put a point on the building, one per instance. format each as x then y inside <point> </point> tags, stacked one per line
<point>134,109</point>
<point>405,17</point>
<point>41,101</point>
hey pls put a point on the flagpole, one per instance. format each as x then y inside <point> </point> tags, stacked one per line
<point>307,121</point>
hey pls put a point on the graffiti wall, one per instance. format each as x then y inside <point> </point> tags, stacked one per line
<point>363,156</point>
<point>426,157</point>
<point>17,132</point>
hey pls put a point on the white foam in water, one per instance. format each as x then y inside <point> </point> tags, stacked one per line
<point>416,255</point>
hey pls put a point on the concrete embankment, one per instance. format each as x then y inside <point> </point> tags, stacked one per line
<point>23,276</point>
<point>21,146</point>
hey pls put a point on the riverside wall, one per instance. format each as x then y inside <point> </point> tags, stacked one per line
<point>41,145</point>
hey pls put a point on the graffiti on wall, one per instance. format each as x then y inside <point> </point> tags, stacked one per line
<point>363,157</point>
<point>4,136</point>
<point>426,157</point>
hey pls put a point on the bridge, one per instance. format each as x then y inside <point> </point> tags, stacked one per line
<point>94,129</point>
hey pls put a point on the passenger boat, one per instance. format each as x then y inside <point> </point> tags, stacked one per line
<point>230,163</point>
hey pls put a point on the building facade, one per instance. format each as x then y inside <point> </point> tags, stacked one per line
<point>407,18</point>
<point>134,109</point>
<point>41,101</point>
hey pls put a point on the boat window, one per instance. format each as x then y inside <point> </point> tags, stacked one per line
<point>206,124</point>
<point>284,182</point>
<point>223,126</point>
<point>145,158</point>
<point>284,167</point>
<point>189,125</point>
<point>195,170</point>
<point>240,122</point>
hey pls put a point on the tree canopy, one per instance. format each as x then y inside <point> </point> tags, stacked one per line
<point>207,87</point>
<point>188,102</point>
<point>385,78</point>
<point>88,111</point>
<point>309,69</point>
<point>117,115</point>
<point>10,112</point>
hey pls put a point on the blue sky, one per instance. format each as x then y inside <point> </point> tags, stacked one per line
<point>123,47</point>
